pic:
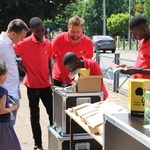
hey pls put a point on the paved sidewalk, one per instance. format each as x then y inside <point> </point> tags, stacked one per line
<point>23,128</point>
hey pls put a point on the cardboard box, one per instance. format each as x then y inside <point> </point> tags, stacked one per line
<point>136,96</point>
<point>89,84</point>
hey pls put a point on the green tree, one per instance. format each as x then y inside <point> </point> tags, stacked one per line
<point>94,14</point>
<point>61,20</point>
<point>72,9</point>
<point>144,8</point>
<point>93,17</point>
<point>118,24</point>
<point>116,6</point>
<point>10,9</point>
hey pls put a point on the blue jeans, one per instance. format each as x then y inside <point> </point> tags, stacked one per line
<point>13,100</point>
<point>34,96</point>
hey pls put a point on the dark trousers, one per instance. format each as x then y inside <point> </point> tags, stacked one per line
<point>34,95</point>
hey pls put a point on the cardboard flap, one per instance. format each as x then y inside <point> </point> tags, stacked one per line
<point>89,77</point>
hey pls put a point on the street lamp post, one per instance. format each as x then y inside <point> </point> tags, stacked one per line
<point>129,35</point>
<point>129,18</point>
<point>104,17</point>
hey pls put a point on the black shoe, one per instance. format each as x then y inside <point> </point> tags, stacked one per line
<point>38,148</point>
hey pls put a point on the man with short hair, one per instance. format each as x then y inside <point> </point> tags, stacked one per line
<point>16,31</point>
<point>72,62</point>
<point>35,52</point>
<point>139,29</point>
<point>75,41</point>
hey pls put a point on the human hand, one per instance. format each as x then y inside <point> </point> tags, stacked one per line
<point>121,66</point>
<point>113,65</point>
<point>15,107</point>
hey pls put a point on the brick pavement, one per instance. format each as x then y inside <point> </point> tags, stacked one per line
<point>23,128</point>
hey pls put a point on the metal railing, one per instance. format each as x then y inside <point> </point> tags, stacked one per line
<point>116,80</point>
<point>126,44</point>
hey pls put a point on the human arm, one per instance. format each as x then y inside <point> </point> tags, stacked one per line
<point>18,49</point>
<point>3,109</point>
<point>132,71</point>
<point>96,70</point>
<point>20,64</point>
<point>51,62</point>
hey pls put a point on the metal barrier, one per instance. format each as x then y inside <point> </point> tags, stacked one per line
<point>116,77</point>
<point>130,44</point>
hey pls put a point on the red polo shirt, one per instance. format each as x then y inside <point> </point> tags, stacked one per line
<point>60,46</point>
<point>35,56</point>
<point>143,59</point>
<point>95,70</point>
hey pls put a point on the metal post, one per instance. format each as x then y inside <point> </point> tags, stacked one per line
<point>129,37</point>
<point>116,76</point>
<point>137,45</point>
<point>71,133</point>
<point>104,17</point>
<point>130,44</point>
<point>48,33</point>
<point>98,56</point>
<point>123,43</point>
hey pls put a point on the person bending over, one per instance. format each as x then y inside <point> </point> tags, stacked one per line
<point>72,62</point>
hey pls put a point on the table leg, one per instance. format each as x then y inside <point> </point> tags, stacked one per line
<point>71,133</point>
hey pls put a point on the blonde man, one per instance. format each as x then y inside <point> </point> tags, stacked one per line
<point>75,41</point>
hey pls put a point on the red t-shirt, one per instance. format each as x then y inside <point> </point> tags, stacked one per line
<point>35,56</point>
<point>95,70</point>
<point>60,46</point>
<point>143,59</point>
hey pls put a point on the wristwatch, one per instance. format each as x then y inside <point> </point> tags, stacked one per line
<point>141,70</point>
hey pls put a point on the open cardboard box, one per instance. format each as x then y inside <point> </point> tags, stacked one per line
<point>87,84</point>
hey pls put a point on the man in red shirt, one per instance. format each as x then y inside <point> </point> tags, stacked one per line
<point>139,29</point>
<point>75,41</point>
<point>72,62</point>
<point>35,52</point>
